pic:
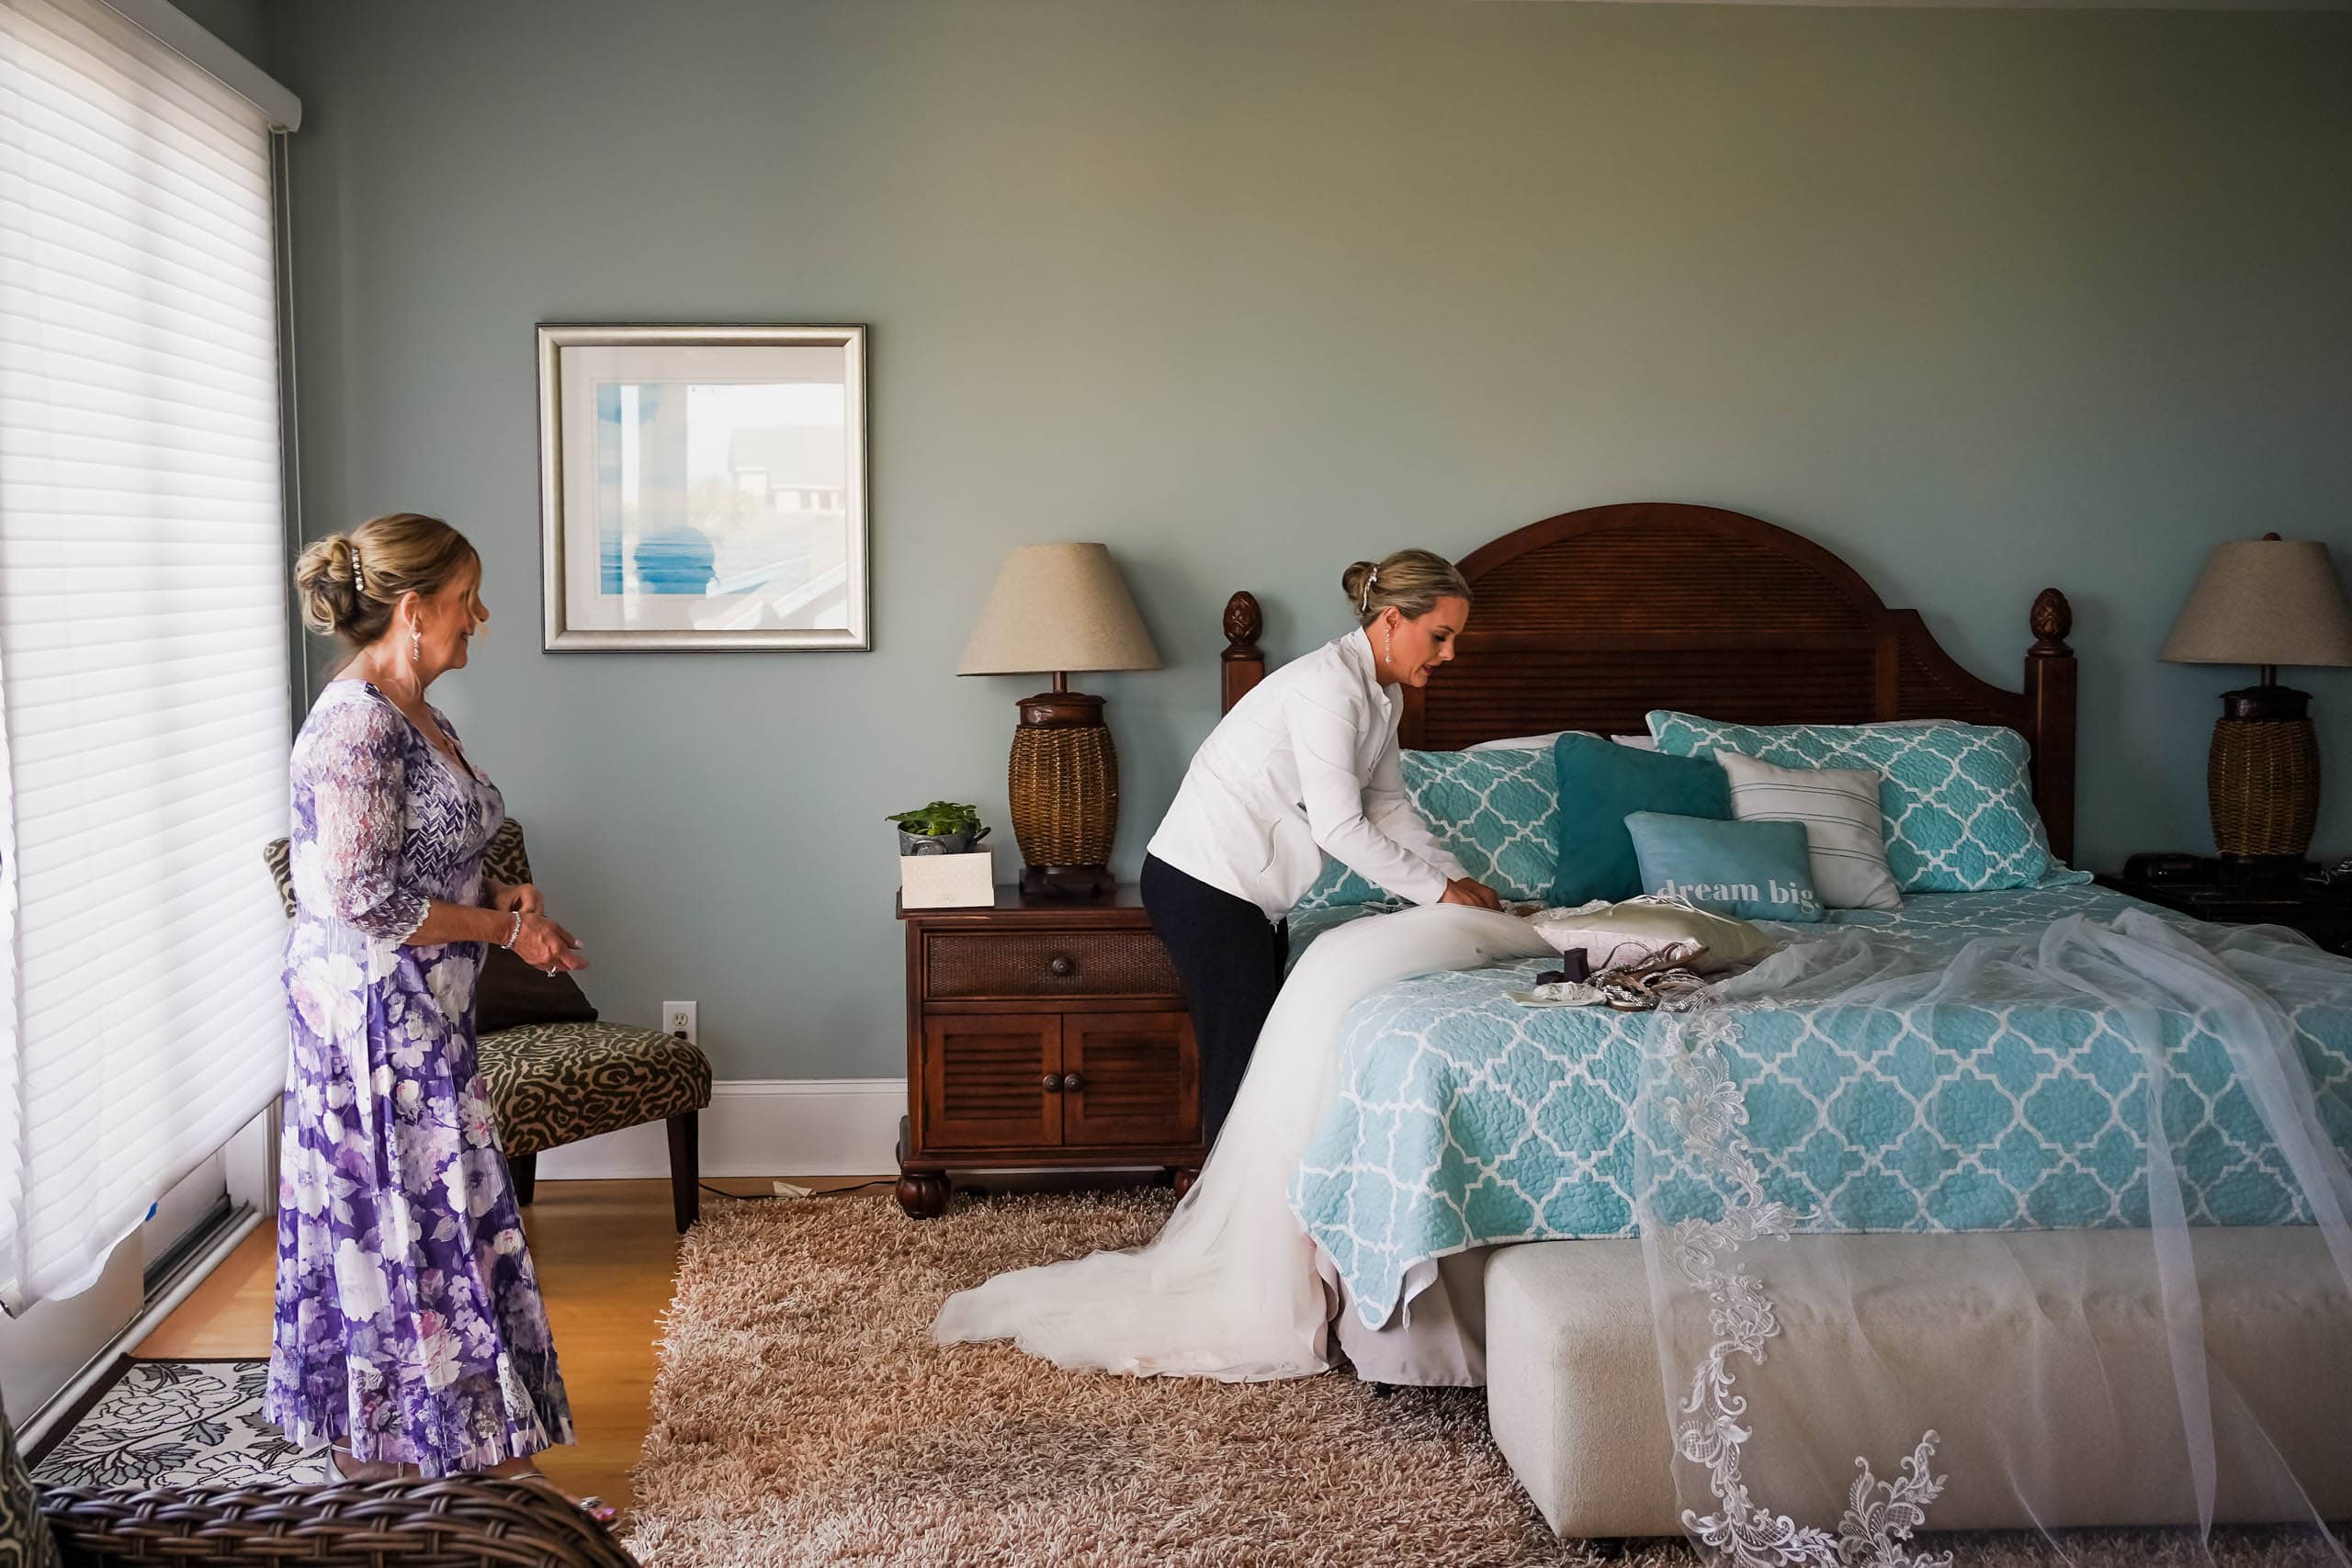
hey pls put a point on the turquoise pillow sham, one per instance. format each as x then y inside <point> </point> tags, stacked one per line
<point>1956,797</point>
<point>1599,783</point>
<point>1755,870</point>
<point>1493,809</point>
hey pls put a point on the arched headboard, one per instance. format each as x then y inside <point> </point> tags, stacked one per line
<point>1591,619</point>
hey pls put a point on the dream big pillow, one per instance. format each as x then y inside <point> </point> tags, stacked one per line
<point>1599,783</point>
<point>1959,811</point>
<point>1755,871</point>
<point>1838,810</point>
<point>1492,808</point>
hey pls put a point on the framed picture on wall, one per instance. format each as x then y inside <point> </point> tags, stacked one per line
<point>703,489</point>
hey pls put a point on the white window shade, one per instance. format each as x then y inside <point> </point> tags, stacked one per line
<point>142,632</point>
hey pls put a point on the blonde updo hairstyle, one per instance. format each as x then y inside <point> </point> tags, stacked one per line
<point>350,583</point>
<point>1413,580</point>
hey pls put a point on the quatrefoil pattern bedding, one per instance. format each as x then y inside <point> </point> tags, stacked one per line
<point>1959,809</point>
<point>1464,1119</point>
<point>1493,809</point>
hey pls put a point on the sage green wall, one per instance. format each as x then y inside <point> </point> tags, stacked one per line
<point>242,24</point>
<point>1981,299</point>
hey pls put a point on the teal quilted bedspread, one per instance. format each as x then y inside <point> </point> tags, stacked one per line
<point>1464,1120</point>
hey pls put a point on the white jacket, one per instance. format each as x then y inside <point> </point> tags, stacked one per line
<point>1305,764</point>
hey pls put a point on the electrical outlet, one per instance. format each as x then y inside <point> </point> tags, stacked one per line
<point>678,1017</point>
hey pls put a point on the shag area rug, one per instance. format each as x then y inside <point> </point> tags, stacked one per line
<point>802,1415</point>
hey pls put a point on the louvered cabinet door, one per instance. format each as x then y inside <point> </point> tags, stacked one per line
<point>991,1081</point>
<point>1130,1078</point>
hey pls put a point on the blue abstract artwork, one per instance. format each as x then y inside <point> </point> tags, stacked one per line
<point>712,494</point>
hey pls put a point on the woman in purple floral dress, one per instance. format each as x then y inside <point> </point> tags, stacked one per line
<point>410,1333</point>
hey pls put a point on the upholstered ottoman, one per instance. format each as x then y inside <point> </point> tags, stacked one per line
<point>2023,1351</point>
<point>552,1084</point>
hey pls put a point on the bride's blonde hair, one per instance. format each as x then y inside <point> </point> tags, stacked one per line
<point>1413,580</point>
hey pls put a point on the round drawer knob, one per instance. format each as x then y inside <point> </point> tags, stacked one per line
<point>1051,1083</point>
<point>1060,966</point>
<point>1072,1082</point>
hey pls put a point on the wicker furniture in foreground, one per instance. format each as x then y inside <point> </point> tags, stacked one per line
<point>457,1522</point>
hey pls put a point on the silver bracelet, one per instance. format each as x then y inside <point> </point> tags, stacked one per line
<point>512,932</point>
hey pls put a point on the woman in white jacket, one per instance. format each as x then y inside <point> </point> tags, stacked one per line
<point>1302,766</point>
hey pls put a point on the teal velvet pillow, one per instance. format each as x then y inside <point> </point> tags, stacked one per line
<point>1493,809</point>
<point>1757,871</point>
<point>1599,783</point>
<point>1958,802</point>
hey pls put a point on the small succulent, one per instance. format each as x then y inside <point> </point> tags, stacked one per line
<point>940,819</point>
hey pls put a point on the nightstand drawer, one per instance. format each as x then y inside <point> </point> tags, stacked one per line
<point>1047,964</point>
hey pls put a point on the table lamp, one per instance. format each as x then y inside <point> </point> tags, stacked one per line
<point>2264,602</point>
<point>1061,607</point>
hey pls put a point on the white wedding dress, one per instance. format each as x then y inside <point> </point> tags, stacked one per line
<point>1233,1289</point>
<point>1230,1288</point>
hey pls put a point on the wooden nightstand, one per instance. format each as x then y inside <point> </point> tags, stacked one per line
<point>1043,1033</point>
<point>2322,914</point>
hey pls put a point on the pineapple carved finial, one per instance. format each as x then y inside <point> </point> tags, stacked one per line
<point>1244,621</point>
<point>2052,620</point>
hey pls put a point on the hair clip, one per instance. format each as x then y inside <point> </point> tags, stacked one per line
<point>1371,582</point>
<point>358,569</point>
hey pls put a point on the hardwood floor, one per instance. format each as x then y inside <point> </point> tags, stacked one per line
<point>606,1253</point>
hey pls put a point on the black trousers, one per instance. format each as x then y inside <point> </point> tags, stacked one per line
<point>1230,961</point>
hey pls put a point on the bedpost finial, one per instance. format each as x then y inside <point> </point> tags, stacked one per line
<point>1244,621</point>
<point>2052,619</point>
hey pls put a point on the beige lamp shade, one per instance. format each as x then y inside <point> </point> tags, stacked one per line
<point>2265,602</point>
<point>1058,607</point>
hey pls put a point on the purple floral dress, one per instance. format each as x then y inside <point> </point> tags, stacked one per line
<point>409,1320</point>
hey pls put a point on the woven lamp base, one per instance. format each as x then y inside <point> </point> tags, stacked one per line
<point>2262,776</point>
<point>1064,784</point>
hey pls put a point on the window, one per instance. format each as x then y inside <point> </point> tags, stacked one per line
<point>143,680</point>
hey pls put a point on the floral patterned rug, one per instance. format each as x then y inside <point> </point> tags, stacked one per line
<point>178,1424</point>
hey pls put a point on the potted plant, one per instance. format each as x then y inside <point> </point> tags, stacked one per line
<point>943,828</point>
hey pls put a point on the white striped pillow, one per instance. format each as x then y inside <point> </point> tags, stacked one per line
<point>1844,831</point>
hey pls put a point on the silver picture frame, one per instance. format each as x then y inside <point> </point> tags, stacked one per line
<point>704,488</point>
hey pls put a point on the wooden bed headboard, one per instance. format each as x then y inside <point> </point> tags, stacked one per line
<point>1591,619</point>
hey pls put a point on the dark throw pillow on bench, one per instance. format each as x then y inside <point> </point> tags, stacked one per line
<point>510,993</point>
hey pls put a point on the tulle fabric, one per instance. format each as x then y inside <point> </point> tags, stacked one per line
<point>1784,1385</point>
<point>1777,1474</point>
<point>1231,1288</point>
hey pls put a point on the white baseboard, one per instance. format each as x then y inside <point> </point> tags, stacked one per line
<point>759,1127</point>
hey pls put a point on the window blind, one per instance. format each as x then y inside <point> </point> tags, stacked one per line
<point>142,633</point>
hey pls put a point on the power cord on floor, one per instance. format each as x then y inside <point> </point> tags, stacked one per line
<point>812,1192</point>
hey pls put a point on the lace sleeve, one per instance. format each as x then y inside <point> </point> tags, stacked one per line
<point>359,801</point>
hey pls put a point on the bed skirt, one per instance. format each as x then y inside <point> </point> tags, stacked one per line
<point>1437,1339</point>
